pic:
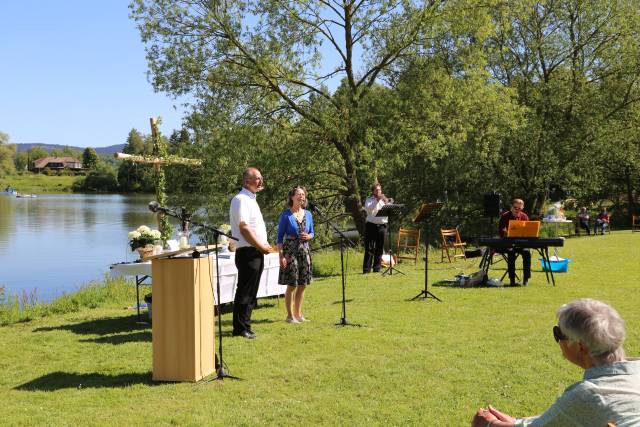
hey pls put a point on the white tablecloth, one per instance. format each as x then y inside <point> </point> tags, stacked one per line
<point>558,223</point>
<point>228,275</point>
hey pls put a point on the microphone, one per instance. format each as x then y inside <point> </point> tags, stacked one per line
<point>155,207</point>
<point>314,208</point>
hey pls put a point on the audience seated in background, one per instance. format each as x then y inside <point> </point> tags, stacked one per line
<point>590,334</point>
<point>583,220</point>
<point>602,222</point>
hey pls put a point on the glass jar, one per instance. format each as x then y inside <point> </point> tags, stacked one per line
<point>183,240</point>
<point>157,247</point>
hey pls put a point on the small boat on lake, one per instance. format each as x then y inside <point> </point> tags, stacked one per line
<point>25,196</point>
<point>9,191</point>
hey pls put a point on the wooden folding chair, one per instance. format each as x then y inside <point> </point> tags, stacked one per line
<point>408,245</point>
<point>451,242</point>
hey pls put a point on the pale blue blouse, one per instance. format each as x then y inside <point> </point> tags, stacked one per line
<point>607,393</point>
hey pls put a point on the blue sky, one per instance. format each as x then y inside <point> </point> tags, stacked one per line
<point>74,73</point>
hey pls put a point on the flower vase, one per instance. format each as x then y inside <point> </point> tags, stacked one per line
<point>145,251</point>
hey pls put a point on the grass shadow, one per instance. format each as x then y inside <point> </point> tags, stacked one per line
<point>64,380</point>
<point>340,301</point>
<point>121,338</point>
<point>452,285</point>
<point>106,326</point>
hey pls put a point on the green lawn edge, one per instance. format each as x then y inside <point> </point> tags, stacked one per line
<point>419,362</point>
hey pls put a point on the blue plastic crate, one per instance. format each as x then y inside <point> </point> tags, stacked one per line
<point>560,266</point>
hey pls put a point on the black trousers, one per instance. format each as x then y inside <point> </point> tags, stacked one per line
<point>585,225</point>
<point>250,263</point>
<point>511,264</point>
<point>373,246</point>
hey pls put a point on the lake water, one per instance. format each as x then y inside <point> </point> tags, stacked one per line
<point>54,244</point>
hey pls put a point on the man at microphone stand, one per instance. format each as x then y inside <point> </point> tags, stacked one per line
<point>375,229</point>
<point>248,226</point>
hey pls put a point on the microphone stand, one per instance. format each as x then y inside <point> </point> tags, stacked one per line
<point>344,240</point>
<point>221,374</point>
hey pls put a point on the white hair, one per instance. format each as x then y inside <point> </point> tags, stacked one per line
<point>595,324</point>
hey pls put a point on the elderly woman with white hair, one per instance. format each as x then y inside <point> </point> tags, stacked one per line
<point>590,334</point>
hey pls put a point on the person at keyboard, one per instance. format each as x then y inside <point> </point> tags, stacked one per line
<point>515,213</point>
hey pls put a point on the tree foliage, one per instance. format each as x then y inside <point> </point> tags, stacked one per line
<point>437,100</point>
<point>101,178</point>
<point>260,61</point>
<point>7,153</point>
<point>89,158</point>
<point>134,177</point>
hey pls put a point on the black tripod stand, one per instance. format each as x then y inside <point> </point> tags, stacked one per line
<point>344,241</point>
<point>390,210</point>
<point>214,233</point>
<point>426,214</point>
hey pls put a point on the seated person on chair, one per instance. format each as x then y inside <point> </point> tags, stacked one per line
<point>583,220</point>
<point>515,214</point>
<point>602,222</point>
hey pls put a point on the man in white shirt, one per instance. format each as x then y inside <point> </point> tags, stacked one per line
<point>375,229</point>
<point>248,226</point>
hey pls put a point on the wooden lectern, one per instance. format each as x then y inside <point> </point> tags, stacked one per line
<point>183,322</point>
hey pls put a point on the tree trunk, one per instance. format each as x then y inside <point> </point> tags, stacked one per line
<point>352,200</point>
<point>631,201</point>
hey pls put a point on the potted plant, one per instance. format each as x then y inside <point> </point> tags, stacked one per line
<point>142,239</point>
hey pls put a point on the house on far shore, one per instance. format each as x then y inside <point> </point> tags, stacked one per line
<point>57,163</point>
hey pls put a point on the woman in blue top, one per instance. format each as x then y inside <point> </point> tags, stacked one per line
<point>295,229</point>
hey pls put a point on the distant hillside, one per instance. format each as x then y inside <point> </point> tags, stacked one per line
<point>50,147</point>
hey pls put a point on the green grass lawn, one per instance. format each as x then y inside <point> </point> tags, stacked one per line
<point>410,363</point>
<point>29,183</point>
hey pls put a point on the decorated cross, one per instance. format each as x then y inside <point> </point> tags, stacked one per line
<point>157,159</point>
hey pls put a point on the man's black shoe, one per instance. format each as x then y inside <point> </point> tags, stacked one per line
<point>245,334</point>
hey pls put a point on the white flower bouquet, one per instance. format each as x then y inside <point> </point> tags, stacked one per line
<point>142,237</point>
<point>223,240</point>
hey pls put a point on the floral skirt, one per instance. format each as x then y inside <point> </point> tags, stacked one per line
<point>298,269</point>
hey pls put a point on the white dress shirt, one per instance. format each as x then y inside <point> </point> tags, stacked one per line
<point>244,208</point>
<point>372,206</point>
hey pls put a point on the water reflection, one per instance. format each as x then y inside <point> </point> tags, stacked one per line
<point>55,244</point>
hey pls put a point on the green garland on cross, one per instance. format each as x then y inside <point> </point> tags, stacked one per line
<point>160,151</point>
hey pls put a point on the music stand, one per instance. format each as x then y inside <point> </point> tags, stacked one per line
<point>389,210</point>
<point>425,215</point>
<point>344,241</point>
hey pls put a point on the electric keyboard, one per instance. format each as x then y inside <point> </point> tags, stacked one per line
<point>520,242</point>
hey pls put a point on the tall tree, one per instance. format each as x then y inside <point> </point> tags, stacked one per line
<point>134,177</point>
<point>557,55</point>
<point>7,153</point>
<point>35,153</point>
<point>261,61</point>
<point>135,143</point>
<point>89,158</point>
<point>21,161</point>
